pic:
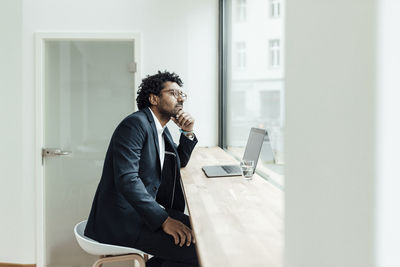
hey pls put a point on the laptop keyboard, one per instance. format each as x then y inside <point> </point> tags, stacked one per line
<point>230,168</point>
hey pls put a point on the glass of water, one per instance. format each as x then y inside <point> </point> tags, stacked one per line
<point>247,167</point>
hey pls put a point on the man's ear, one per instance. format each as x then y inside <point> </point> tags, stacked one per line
<point>153,99</point>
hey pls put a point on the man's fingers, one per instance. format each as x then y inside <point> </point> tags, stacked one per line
<point>176,122</point>
<point>180,232</point>
<point>193,238</point>
<point>182,118</point>
<point>180,112</point>
<point>178,119</point>
<point>188,233</point>
<point>188,237</point>
<point>188,122</point>
<point>182,237</point>
<point>181,121</point>
<point>176,238</point>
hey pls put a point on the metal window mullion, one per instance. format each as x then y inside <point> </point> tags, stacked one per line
<point>222,66</point>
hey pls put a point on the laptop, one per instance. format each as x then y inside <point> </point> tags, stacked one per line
<point>252,152</point>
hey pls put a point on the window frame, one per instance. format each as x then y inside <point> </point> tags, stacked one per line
<point>222,74</point>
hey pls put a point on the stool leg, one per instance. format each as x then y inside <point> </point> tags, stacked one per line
<point>128,257</point>
<point>141,261</point>
<point>98,263</point>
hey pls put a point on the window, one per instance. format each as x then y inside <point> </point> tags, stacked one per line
<point>251,74</point>
<point>274,53</point>
<point>240,55</point>
<point>241,12</point>
<point>275,8</point>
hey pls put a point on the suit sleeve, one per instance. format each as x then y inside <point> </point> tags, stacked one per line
<point>127,143</point>
<point>185,149</point>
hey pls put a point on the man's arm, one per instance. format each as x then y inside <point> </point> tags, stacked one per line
<point>186,144</point>
<point>185,149</point>
<point>127,143</point>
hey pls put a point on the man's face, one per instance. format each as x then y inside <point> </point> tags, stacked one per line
<point>169,104</point>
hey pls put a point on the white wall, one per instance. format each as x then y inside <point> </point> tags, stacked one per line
<point>330,133</point>
<point>12,207</point>
<point>388,133</point>
<point>177,35</point>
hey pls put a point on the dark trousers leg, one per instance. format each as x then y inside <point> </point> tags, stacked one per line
<point>162,246</point>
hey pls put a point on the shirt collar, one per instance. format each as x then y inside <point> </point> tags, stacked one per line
<point>159,128</point>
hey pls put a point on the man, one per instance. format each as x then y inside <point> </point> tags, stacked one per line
<point>139,201</point>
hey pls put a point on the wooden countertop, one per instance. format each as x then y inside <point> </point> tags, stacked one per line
<point>236,222</point>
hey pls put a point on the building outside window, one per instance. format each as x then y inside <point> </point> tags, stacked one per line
<point>275,7</point>
<point>253,73</point>
<point>240,55</point>
<point>274,53</point>
<point>241,11</point>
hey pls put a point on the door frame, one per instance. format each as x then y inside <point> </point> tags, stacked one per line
<point>40,39</point>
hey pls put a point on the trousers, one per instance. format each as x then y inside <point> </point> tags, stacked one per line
<point>162,247</point>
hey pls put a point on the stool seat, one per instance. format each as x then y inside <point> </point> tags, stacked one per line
<point>112,253</point>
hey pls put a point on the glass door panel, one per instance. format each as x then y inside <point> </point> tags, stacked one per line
<point>89,89</point>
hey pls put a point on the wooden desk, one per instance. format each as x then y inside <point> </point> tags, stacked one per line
<point>236,222</point>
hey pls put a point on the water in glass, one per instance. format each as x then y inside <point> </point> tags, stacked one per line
<point>247,167</point>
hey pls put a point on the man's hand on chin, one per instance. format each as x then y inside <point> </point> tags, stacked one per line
<point>184,120</point>
<point>179,231</point>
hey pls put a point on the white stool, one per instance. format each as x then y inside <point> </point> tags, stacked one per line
<point>107,253</point>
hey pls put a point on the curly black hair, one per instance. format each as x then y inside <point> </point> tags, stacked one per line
<point>153,85</point>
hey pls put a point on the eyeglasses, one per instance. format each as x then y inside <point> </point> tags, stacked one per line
<point>177,93</point>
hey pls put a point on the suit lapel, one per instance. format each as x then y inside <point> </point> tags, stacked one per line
<point>154,130</point>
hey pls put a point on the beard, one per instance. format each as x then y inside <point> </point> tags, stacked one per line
<point>167,113</point>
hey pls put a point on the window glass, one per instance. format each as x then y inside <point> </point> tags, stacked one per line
<point>254,73</point>
<point>241,13</point>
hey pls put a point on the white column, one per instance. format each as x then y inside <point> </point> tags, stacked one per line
<point>330,133</point>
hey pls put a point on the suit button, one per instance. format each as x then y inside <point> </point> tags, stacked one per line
<point>155,188</point>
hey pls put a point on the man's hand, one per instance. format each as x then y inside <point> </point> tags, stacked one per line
<point>179,231</point>
<point>184,120</point>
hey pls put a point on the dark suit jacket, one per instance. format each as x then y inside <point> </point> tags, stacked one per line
<point>125,197</point>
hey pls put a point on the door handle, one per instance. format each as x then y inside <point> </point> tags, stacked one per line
<point>51,152</point>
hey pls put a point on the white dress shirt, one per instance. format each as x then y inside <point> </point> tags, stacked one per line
<point>161,142</point>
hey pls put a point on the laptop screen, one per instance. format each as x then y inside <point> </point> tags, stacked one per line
<point>254,144</point>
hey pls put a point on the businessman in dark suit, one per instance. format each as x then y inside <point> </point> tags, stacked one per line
<point>139,201</point>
